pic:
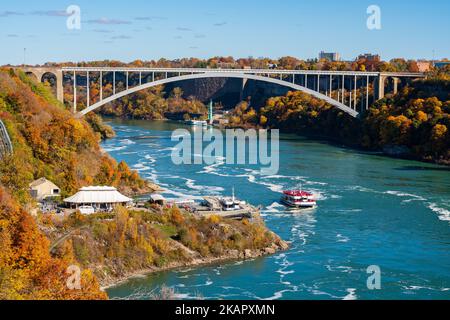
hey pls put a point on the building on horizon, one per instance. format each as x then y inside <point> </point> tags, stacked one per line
<point>369,57</point>
<point>441,64</point>
<point>423,65</point>
<point>371,61</point>
<point>330,56</point>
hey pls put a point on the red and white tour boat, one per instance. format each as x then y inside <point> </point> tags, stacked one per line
<point>298,199</point>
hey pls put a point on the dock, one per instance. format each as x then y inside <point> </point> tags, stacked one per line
<point>214,207</point>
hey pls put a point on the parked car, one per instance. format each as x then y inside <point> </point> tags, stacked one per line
<point>86,210</point>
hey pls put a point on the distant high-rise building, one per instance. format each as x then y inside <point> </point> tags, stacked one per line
<point>330,56</point>
<point>369,57</point>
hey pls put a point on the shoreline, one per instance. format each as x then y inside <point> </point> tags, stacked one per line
<point>335,142</point>
<point>232,255</point>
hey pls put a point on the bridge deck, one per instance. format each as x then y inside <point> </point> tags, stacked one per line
<point>243,71</point>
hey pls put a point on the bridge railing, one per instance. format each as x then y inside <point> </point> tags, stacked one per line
<point>241,71</point>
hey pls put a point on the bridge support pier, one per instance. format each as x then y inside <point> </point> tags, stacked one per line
<point>59,86</point>
<point>57,72</point>
<point>241,93</point>
<point>396,80</point>
<point>379,90</point>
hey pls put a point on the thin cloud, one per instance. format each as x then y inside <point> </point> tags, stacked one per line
<point>220,24</point>
<point>183,29</point>
<point>107,21</point>
<point>71,34</point>
<point>121,37</point>
<point>10,13</point>
<point>150,18</point>
<point>51,13</point>
<point>199,36</point>
<point>102,31</point>
<point>12,35</point>
<point>193,47</point>
<point>178,37</point>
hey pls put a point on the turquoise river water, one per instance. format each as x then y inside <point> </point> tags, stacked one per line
<point>373,210</point>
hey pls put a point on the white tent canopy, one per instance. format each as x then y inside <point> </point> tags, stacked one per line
<point>98,195</point>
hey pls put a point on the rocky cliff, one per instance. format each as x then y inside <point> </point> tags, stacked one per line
<point>229,91</point>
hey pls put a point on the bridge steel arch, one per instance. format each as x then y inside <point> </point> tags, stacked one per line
<point>219,74</point>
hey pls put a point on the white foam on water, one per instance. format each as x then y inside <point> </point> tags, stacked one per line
<point>348,210</point>
<point>140,167</point>
<point>273,207</point>
<point>180,194</point>
<point>416,288</point>
<point>360,189</point>
<point>443,214</point>
<point>280,256</point>
<point>315,291</point>
<point>283,272</point>
<point>277,295</point>
<point>206,284</point>
<point>126,142</point>
<point>190,183</point>
<point>412,197</point>
<point>150,158</point>
<point>185,296</point>
<point>271,186</point>
<point>128,153</point>
<point>279,176</point>
<point>213,168</point>
<point>167,149</point>
<point>342,269</point>
<point>112,148</point>
<point>341,238</point>
<point>351,294</point>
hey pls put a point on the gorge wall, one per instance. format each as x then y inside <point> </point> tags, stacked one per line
<point>229,91</point>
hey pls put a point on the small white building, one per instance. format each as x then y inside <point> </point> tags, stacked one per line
<point>157,199</point>
<point>100,198</point>
<point>43,189</point>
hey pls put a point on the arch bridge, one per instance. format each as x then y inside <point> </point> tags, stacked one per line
<point>345,90</point>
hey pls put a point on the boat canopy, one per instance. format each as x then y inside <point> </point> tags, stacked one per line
<point>297,193</point>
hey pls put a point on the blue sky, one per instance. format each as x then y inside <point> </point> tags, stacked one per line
<point>148,29</point>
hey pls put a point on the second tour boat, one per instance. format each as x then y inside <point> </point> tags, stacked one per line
<point>298,199</point>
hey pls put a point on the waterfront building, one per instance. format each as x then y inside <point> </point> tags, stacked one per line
<point>158,199</point>
<point>100,198</point>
